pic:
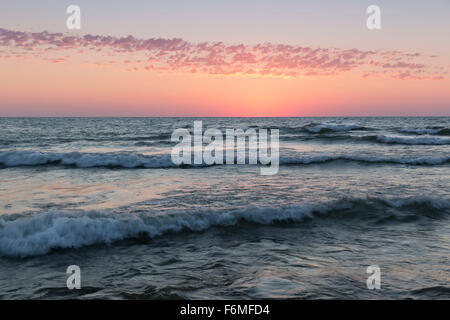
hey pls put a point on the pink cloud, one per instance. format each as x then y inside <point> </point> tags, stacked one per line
<point>217,58</point>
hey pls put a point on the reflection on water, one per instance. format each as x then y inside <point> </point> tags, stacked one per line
<point>92,192</point>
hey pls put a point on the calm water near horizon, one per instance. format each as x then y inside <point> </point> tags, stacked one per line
<point>103,193</point>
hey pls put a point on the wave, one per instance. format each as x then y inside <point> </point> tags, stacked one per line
<point>85,160</point>
<point>408,140</point>
<point>162,161</point>
<point>23,235</point>
<point>327,128</point>
<point>368,160</point>
<point>427,140</point>
<point>430,130</point>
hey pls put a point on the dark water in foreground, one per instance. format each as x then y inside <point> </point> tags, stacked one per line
<point>103,194</point>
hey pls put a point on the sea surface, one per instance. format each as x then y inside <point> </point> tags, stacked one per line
<point>103,194</point>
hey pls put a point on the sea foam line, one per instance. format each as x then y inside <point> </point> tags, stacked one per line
<point>437,131</point>
<point>84,160</point>
<point>423,140</point>
<point>38,233</point>
<point>328,127</point>
<point>369,160</point>
<point>132,160</point>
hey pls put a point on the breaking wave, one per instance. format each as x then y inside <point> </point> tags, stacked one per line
<point>369,160</point>
<point>431,130</point>
<point>132,160</point>
<point>30,234</point>
<point>85,160</point>
<point>416,140</point>
<point>427,140</point>
<point>327,128</point>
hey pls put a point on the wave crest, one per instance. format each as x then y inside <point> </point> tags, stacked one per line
<point>85,160</point>
<point>368,160</point>
<point>442,131</point>
<point>427,140</point>
<point>23,235</point>
<point>161,161</point>
<point>326,128</point>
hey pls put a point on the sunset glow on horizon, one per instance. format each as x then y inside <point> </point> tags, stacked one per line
<point>48,70</point>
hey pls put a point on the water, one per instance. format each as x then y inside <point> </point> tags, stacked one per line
<point>103,194</point>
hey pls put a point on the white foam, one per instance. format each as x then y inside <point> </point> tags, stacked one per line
<point>423,131</point>
<point>39,233</point>
<point>326,158</point>
<point>427,140</point>
<point>84,160</point>
<point>130,160</point>
<point>317,128</point>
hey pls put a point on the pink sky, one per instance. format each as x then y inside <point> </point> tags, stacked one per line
<point>84,74</point>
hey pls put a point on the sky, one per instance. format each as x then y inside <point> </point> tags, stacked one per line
<point>225,58</point>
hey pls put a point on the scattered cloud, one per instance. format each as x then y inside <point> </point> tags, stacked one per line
<point>217,58</point>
